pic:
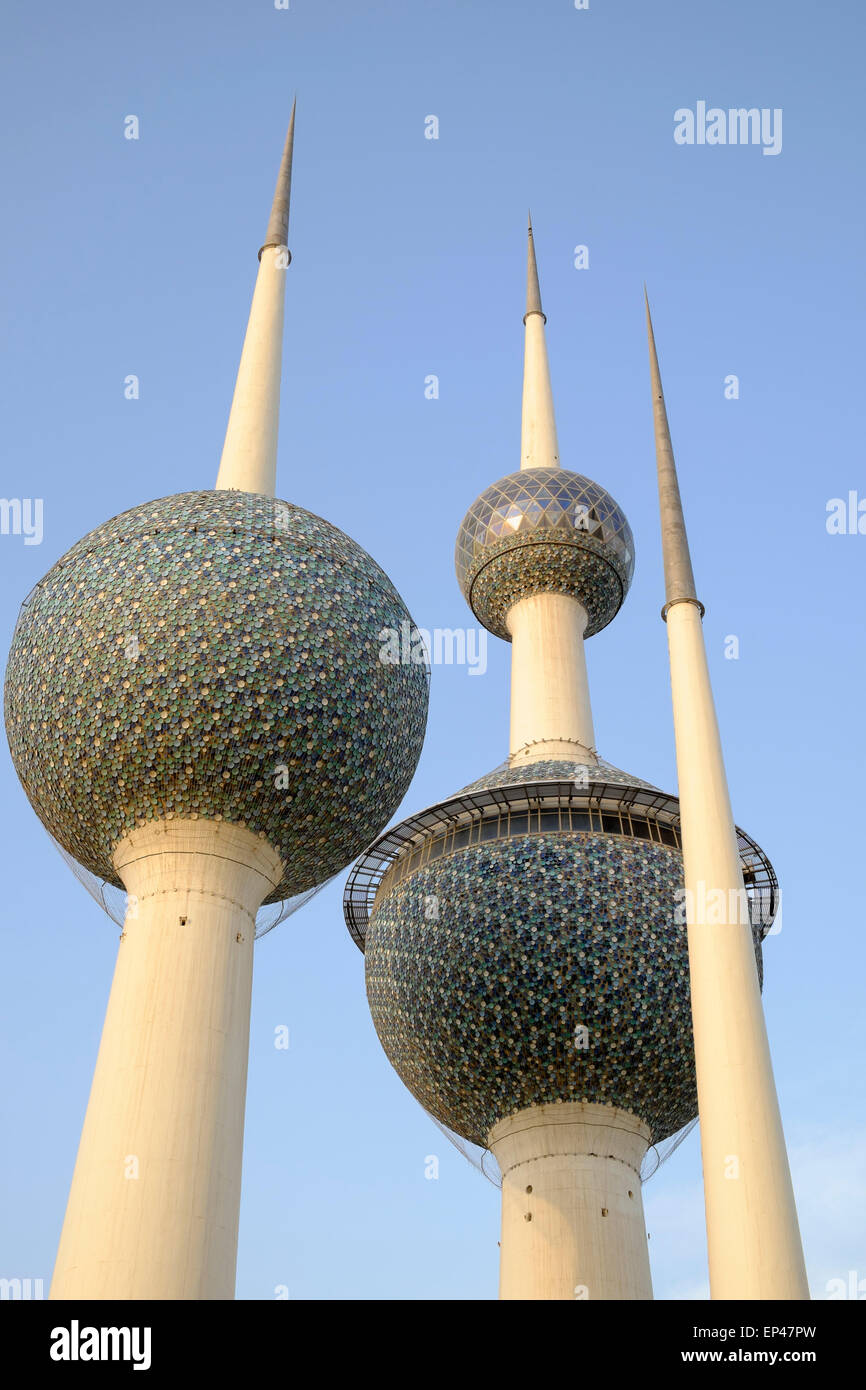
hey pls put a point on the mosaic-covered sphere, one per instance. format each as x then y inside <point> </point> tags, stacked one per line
<point>526,944</point>
<point>544,530</point>
<point>215,655</point>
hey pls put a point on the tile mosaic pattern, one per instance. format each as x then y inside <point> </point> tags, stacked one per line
<point>544,530</point>
<point>555,770</point>
<point>477,1009</point>
<point>179,657</point>
<point>759,871</point>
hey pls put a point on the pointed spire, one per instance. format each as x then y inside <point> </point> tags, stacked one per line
<point>753,1239</point>
<point>538,443</point>
<point>249,457</point>
<point>278,223</point>
<point>679,577</point>
<point>533,289</point>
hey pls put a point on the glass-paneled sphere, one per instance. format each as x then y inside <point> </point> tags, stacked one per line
<point>544,530</point>
<point>519,957</point>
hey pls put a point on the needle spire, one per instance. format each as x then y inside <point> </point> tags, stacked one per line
<point>249,457</point>
<point>539,447</point>
<point>679,577</point>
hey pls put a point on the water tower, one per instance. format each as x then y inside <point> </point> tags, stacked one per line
<point>198,714</point>
<point>526,944</point>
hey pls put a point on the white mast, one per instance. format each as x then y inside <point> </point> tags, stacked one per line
<point>249,457</point>
<point>752,1230</point>
<point>551,716</point>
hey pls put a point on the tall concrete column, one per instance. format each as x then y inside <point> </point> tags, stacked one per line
<point>753,1236</point>
<point>153,1207</point>
<point>572,1214</point>
<point>551,715</point>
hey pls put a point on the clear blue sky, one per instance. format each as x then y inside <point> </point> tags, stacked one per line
<point>121,257</point>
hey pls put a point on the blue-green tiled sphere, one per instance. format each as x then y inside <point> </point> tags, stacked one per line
<point>535,937</point>
<point>544,530</point>
<point>215,655</point>
<point>536,967</point>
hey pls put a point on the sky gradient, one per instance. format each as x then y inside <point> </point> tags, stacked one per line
<point>138,257</point>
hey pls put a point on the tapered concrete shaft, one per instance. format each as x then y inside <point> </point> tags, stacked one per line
<point>572,1215</point>
<point>551,716</point>
<point>249,457</point>
<point>538,443</point>
<point>153,1208</point>
<point>752,1230</point>
<point>679,578</point>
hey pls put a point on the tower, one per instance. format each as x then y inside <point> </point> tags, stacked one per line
<point>197,712</point>
<point>753,1235</point>
<point>525,941</point>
